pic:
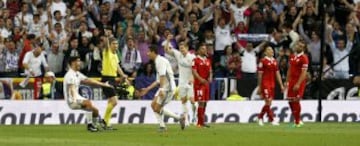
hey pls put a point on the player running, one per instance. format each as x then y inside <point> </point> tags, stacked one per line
<point>202,72</point>
<point>72,80</point>
<point>186,79</point>
<point>296,76</point>
<point>166,82</point>
<point>267,72</point>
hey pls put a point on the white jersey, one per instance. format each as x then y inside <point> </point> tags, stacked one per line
<point>238,13</point>
<point>35,63</point>
<point>185,67</point>
<point>72,78</point>
<point>163,68</point>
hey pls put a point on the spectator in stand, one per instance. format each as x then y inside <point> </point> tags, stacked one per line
<point>249,56</point>
<point>11,57</point>
<point>32,63</point>
<point>146,76</point>
<point>241,28</point>
<point>28,46</point>
<point>24,17</point>
<point>234,65</point>
<point>55,58</point>
<point>340,51</point>
<point>224,60</point>
<point>143,43</point>
<point>131,59</point>
<point>222,32</point>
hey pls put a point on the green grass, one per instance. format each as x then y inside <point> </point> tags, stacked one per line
<point>311,134</point>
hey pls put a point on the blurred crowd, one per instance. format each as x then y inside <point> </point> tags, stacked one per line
<point>235,32</point>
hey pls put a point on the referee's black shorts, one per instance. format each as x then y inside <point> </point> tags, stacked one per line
<point>109,92</point>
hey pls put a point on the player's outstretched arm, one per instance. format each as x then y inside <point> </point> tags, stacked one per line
<point>95,83</point>
<point>148,88</point>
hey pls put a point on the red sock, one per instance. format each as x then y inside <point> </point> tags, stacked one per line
<point>297,112</point>
<point>270,114</point>
<point>263,111</point>
<point>292,108</point>
<point>200,116</point>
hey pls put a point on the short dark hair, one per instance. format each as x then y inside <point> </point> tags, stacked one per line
<point>30,36</point>
<point>72,59</point>
<point>153,48</point>
<point>287,25</point>
<point>57,11</point>
<point>200,45</point>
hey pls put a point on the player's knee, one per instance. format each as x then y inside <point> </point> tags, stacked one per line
<point>113,100</point>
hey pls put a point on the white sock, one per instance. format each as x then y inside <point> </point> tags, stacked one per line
<point>89,118</point>
<point>185,109</point>
<point>170,114</point>
<point>194,109</point>
<point>160,119</point>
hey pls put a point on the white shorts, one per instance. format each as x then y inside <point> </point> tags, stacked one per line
<point>186,91</point>
<point>169,95</point>
<point>78,104</point>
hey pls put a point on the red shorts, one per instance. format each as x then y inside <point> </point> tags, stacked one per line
<point>202,92</point>
<point>291,94</point>
<point>267,93</point>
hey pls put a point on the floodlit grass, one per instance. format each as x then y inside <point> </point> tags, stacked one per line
<point>311,134</point>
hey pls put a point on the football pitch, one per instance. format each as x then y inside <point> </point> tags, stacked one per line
<point>317,134</point>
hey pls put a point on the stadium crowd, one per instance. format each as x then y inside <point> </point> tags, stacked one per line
<point>235,32</point>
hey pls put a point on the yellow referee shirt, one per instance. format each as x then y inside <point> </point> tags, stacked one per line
<point>110,62</point>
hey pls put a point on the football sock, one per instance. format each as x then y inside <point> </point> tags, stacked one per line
<point>297,112</point>
<point>194,109</point>
<point>263,111</point>
<point>200,115</point>
<point>107,115</point>
<point>185,109</point>
<point>160,119</point>
<point>170,113</point>
<point>89,117</point>
<point>270,114</point>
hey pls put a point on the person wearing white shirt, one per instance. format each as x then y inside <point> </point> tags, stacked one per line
<point>72,80</point>
<point>32,62</point>
<point>35,26</point>
<point>186,79</point>
<point>223,31</point>
<point>239,8</point>
<point>341,51</point>
<point>249,63</point>
<point>58,5</point>
<point>166,82</point>
<point>24,17</point>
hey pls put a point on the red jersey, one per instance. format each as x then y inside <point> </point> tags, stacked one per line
<point>203,67</point>
<point>268,66</point>
<point>297,63</point>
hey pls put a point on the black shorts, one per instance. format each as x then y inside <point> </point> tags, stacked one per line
<point>109,92</point>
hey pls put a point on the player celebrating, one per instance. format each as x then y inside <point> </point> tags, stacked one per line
<point>203,76</point>
<point>72,80</point>
<point>166,81</point>
<point>184,59</point>
<point>267,72</point>
<point>110,70</point>
<point>296,76</point>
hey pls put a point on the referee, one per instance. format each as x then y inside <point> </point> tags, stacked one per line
<point>110,70</point>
